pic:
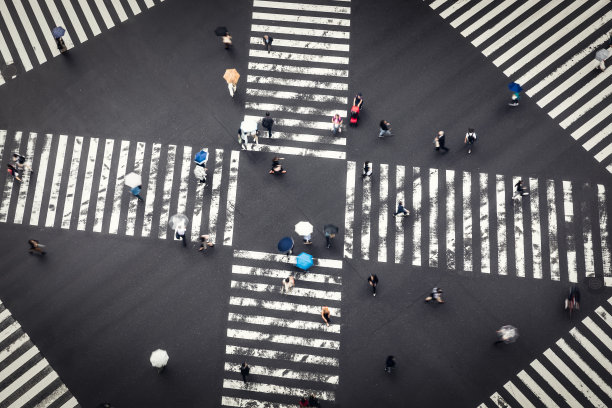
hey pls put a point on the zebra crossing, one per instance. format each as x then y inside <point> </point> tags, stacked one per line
<point>78,183</point>
<point>25,29</point>
<point>549,48</point>
<point>26,378</point>
<point>470,222</point>
<point>568,373</point>
<point>292,353</point>
<point>303,80</point>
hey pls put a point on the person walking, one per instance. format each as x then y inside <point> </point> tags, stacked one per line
<point>277,168</point>
<point>307,239</point>
<point>242,139</point>
<point>515,99</point>
<point>520,190</point>
<point>367,170</point>
<point>440,141</point>
<point>470,139</point>
<point>436,294</point>
<point>373,281</point>
<point>267,123</point>
<point>232,87</point>
<point>358,101</point>
<point>385,128</point>
<point>205,242</point>
<point>227,41</point>
<point>336,124</point>
<point>245,370</point>
<point>303,402</point>
<point>326,314</point>
<point>36,246</point>
<point>313,401</point>
<point>389,364</point>
<point>401,210</point>
<point>288,284</point>
<point>12,170</point>
<point>136,192</point>
<point>20,162</point>
<point>180,233</point>
<point>61,45</point>
<point>267,40</point>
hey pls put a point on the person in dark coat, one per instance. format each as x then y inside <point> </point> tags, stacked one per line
<point>373,281</point>
<point>245,370</point>
<point>441,139</point>
<point>267,40</point>
<point>389,364</point>
<point>267,123</point>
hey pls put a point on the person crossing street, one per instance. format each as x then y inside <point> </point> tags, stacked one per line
<point>470,139</point>
<point>373,281</point>
<point>385,128</point>
<point>267,123</point>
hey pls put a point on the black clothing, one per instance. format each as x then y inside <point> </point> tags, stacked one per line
<point>244,370</point>
<point>267,123</point>
<point>441,141</point>
<point>383,125</point>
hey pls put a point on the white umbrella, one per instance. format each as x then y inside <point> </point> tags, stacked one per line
<point>200,172</point>
<point>159,358</point>
<point>133,180</point>
<point>602,54</point>
<point>178,219</point>
<point>303,228</point>
<point>248,126</point>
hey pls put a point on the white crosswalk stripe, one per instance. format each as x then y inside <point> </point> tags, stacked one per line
<point>70,186</point>
<point>29,31</point>
<point>548,47</point>
<point>524,229</point>
<point>568,369</point>
<point>27,378</point>
<point>280,334</point>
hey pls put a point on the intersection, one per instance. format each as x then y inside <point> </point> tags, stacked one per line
<point>141,90</point>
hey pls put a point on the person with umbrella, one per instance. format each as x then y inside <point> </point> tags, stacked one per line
<point>285,246</point>
<point>231,76</point>
<point>159,359</point>
<point>330,233</point>
<point>179,222</point>
<point>247,128</point>
<point>304,261</point>
<point>134,182</point>
<point>58,32</point>
<point>602,55</point>
<point>516,93</point>
<point>507,334</point>
<point>304,228</point>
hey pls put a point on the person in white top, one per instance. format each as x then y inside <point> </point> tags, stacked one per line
<point>470,138</point>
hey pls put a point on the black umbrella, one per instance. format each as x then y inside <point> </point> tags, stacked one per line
<point>220,31</point>
<point>330,229</point>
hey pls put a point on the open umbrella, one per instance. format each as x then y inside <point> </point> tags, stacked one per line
<point>285,244</point>
<point>231,76</point>
<point>514,87</point>
<point>201,157</point>
<point>159,358</point>
<point>248,126</point>
<point>508,334</point>
<point>58,32</point>
<point>602,54</point>
<point>199,172</point>
<point>330,229</point>
<point>133,180</point>
<point>220,31</point>
<point>178,219</point>
<point>303,228</point>
<point>304,261</point>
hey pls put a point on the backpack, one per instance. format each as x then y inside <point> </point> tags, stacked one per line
<point>471,137</point>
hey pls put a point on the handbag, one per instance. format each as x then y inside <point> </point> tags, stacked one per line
<point>437,143</point>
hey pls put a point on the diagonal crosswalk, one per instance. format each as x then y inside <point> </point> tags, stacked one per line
<point>25,27</point>
<point>78,183</point>
<point>26,378</point>
<point>549,48</point>
<point>281,335</point>
<point>303,80</point>
<point>567,373</point>
<point>470,221</point>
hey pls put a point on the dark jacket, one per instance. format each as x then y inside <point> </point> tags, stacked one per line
<point>267,122</point>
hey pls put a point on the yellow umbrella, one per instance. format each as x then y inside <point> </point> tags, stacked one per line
<point>231,76</point>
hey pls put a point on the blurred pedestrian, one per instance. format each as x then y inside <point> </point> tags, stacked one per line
<point>313,401</point>
<point>180,233</point>
<point>245,370</point>
<point>389,364</point>
<point>242,139</point>
<point>200,173</point>
<point>61,45</point>
<point>336,124</point>
<point>267,123</point>
<point>12,170</point>
<point>307,239</point>
<point>401,210</point>
<point>326,314</point>
<point>367,170</point>
<point>227,41</point>
<point>436,294</point>
<point>205,242</point>
<point>288,284</point>
<point>232,87</point>
<point>602,55</point>
<point>515,99</point>
<point>303,402</point>
<point>440,141</point>
<point>358,101</point>
<point>373,281</point>
<point>20,162</point>
<point>470,139</point>
<point>136,192</point>
<point>385,128</point>
<point>267,40</point>
<point>36,246</point>
<point>277,168</point>
<point>520,190</point>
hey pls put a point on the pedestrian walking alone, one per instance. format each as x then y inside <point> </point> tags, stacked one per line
<point>136,192</point>
<point>326,315</point>
<point>12,170</point>
<point>385,128</point>
<point>470,139</point>
<point>520,190</point>
<point>436,294</point>
<point>313,401</point>
<point>227,40</point>
<point>20,162</point>
<point>358,101</point>
<point>389,364</point>
<point>267,123</point>
<point>36,247</point>
<point>180,234</point>
<point>242,139</point>
<point>245,370</point>
<point>205,242</point>
<point>401,210</point>
<point>288,284</point>
<point>277,168</point>
<point>367,170</point>
<point>267,40</point>
<point>303,402</point>
<point>373,281</point>
<point>336,124</point>
<point>440,140</point>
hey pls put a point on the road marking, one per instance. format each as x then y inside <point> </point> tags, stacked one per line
<point>295,123</point>
<point>230,208</point>
<point>91,20</point>
<point>604,153</point>
<point>536,390</point>
<point>303,110</point>
<point>108,21</point>
<point>23,379</point>
<point>536,229</point>
<point>335,86</point>
<point>167,193</point>
<point>470,13</point>
<point>584,108</point>
<point>499,401</point>
<point>601,312</point>
<point>366,206</point>
<point>603,114</point>
<point>44,28</point>
<point>103,185</point>
<point>8,185</point>
<point>40,181</point>
<point>598,332</point>
<point>556,385</point>
<point>57,181</point>
<point>568,210</point>
<point>298,151</point>
<point>450,219</point>
<point>400,180</point>
<point>433,218</point>
<point>485,258</point>
<point>416,206</point>
<point>300,292</point>
<point>25,181</point>
<point>383,212</point>
<point>453,8</point>
<point>10,26</point>
<point>468,248</point>
<point>130,222</point>
<point>57,20</point>
<point>285,373</point>
<point>312,45</point>
<point>276,389</point>
<point>134,6</point>
<point>576,359</point>
<point>74,20</point>
<point>270,29</point>
<point>258,66</point>
<point>34,390</point>
<point>509,19</point>
<point>215,198</point>
<point>603,230</point>
<point>502,243</point>
<point>306,138</point>
<point>291,259</point>
<point>282,274</point>
<point>284,306</point>
<point>592,350</point>
<point>284,323</point>
<point>87,183</point>
<point>518,395</point>
<point>301,7</point>
<point>297,96</point>
<point>568,83</point>
<point>20,341</point>
<point>181,206</point>
<point>119,187</point>
<point>587,239</point>
<point>242,402</point>
<point>519,240</point>
<point>597,138</point>
<point>25,22</point>
<point>552,230</point>
<point>292,56</point>
<point>283,339</point>
<point>196,222</point>
<point>349,216</point>
<point>300,19</point>
<point>119,9</point>
<point>486,18</point>
<point>72,181</point>
<point>151,188</point>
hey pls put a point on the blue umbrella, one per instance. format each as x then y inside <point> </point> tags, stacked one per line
<point>304,261</point>
<point>201,157</point>
<point>58,32</point>
<point>285,244</point>
<point>514,87</point>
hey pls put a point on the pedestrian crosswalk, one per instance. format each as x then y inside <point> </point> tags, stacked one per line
<point>470,221</point>
<point>303,80</point>
<point>567,374</point>
<point>25,27</point>
<point>26,378</point>
<point>548,47</point>
<point>78,183</point>
<point>281,335</point>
